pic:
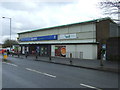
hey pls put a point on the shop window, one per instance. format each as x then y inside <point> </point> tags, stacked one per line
<point>60,51</point>
<point>44,51</point>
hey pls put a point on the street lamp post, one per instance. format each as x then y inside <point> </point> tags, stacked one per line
<point>10,25</point>
<point>10,28</point>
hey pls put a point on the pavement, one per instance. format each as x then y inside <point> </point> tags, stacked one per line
<point>110,66</point>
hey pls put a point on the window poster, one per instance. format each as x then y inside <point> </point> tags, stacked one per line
<point>60,51</point>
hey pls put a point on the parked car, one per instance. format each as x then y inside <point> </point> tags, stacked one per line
<point>8,50</point>
<point>2,50</point>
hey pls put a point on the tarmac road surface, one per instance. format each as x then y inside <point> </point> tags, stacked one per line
<point>24,73</point>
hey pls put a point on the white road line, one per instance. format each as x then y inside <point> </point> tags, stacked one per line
<point>89,86</point>
<point>41,73</point>
<point>11,64</point>
<point>14,65</point>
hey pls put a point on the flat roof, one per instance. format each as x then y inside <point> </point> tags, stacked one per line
<point>95,20</point>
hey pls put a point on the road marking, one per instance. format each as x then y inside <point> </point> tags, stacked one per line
<point>11,64</point>
<point>41,73</point>
<point>89,86</point>
<point>32,70</point>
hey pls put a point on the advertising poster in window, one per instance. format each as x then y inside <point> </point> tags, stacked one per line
<point>60,51</point>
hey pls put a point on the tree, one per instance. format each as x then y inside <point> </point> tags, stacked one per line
<point>9,43</point>
<point>111,7</point>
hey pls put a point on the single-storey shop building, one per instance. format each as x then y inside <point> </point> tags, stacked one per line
<point>84,40</point>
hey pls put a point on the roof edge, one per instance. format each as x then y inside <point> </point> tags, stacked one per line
<point>94,20</point>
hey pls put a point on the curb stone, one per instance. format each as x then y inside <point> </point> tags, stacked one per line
<point>101,68</point>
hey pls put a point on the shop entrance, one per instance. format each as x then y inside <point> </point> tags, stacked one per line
<point>32,49</point>
<point>44,51</point>
<point>41,50</point>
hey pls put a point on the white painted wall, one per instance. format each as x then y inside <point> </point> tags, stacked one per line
<point>52,50</point>
<point>89,51</point>
<point>87,30</point>
<point>86,35</point>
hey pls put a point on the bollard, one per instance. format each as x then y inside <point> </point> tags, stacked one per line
<point>50,58</point>
<point>26,55</point>
<point>101,62</point>
<point>36,57</point>
<point>18,55</point>
<point>70,58</point>
<point>12,54</point>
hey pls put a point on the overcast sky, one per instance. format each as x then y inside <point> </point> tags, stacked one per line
<point>29,15</point>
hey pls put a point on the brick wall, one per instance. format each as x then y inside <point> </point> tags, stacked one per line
<point>113,51</point>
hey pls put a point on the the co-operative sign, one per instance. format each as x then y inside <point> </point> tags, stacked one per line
<point>40,38</point>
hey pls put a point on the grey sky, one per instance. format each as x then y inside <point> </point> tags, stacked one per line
<point>35,15</point>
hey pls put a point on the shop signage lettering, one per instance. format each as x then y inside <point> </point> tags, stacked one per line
<point>67,36</point>
<point>49,37</point>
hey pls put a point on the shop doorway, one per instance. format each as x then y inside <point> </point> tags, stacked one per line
<point>44,50</point>
<point>32,49</point>
<point>41,50</point>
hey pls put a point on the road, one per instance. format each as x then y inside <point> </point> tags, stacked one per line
<point>24,73</point>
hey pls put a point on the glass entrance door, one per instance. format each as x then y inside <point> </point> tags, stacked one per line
<point>43,51</point>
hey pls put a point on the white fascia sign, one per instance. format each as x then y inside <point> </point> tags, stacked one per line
<point>67,36</point>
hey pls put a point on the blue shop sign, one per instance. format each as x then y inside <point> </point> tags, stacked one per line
<point>49,37</point>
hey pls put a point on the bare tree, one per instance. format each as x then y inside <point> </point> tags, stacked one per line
<point>111,7</point>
